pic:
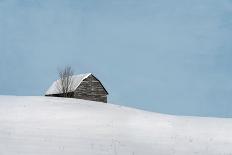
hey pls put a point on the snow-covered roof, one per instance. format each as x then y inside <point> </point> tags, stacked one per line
<point>77,79</point>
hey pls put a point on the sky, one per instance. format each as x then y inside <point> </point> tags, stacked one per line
<point>165,56</point>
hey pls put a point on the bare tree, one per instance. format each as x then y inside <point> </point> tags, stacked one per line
<point>65,83</point>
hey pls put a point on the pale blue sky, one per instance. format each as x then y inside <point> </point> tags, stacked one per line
<point>165,56</point>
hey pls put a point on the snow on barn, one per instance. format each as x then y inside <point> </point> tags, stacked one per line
<point>85,86</point>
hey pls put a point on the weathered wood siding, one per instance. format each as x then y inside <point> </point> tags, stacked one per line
<point>69,95</point>
<point>91,89</point>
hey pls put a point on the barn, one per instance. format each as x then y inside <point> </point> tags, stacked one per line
<point>84,86</point>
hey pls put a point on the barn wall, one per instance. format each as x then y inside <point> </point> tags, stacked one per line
<point>91,89</point>
<point>69,95</point>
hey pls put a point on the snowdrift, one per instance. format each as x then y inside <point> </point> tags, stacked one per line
<point>58,126</point>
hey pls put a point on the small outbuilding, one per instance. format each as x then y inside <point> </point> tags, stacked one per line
<point>84,86</point>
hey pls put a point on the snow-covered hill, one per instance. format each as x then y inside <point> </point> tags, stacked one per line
<point>57,126</point>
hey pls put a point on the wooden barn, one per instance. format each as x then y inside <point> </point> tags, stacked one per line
<point>84,86</point>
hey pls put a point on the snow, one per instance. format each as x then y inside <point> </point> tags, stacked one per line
<point>76,79</point>
<point>58,126</point>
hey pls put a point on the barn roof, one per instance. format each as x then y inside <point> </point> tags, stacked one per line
<point>77,79</point>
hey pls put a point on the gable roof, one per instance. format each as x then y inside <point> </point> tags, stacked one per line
<point>77,79</point>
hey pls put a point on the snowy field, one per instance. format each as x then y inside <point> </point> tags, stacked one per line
<point>57,126</point>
